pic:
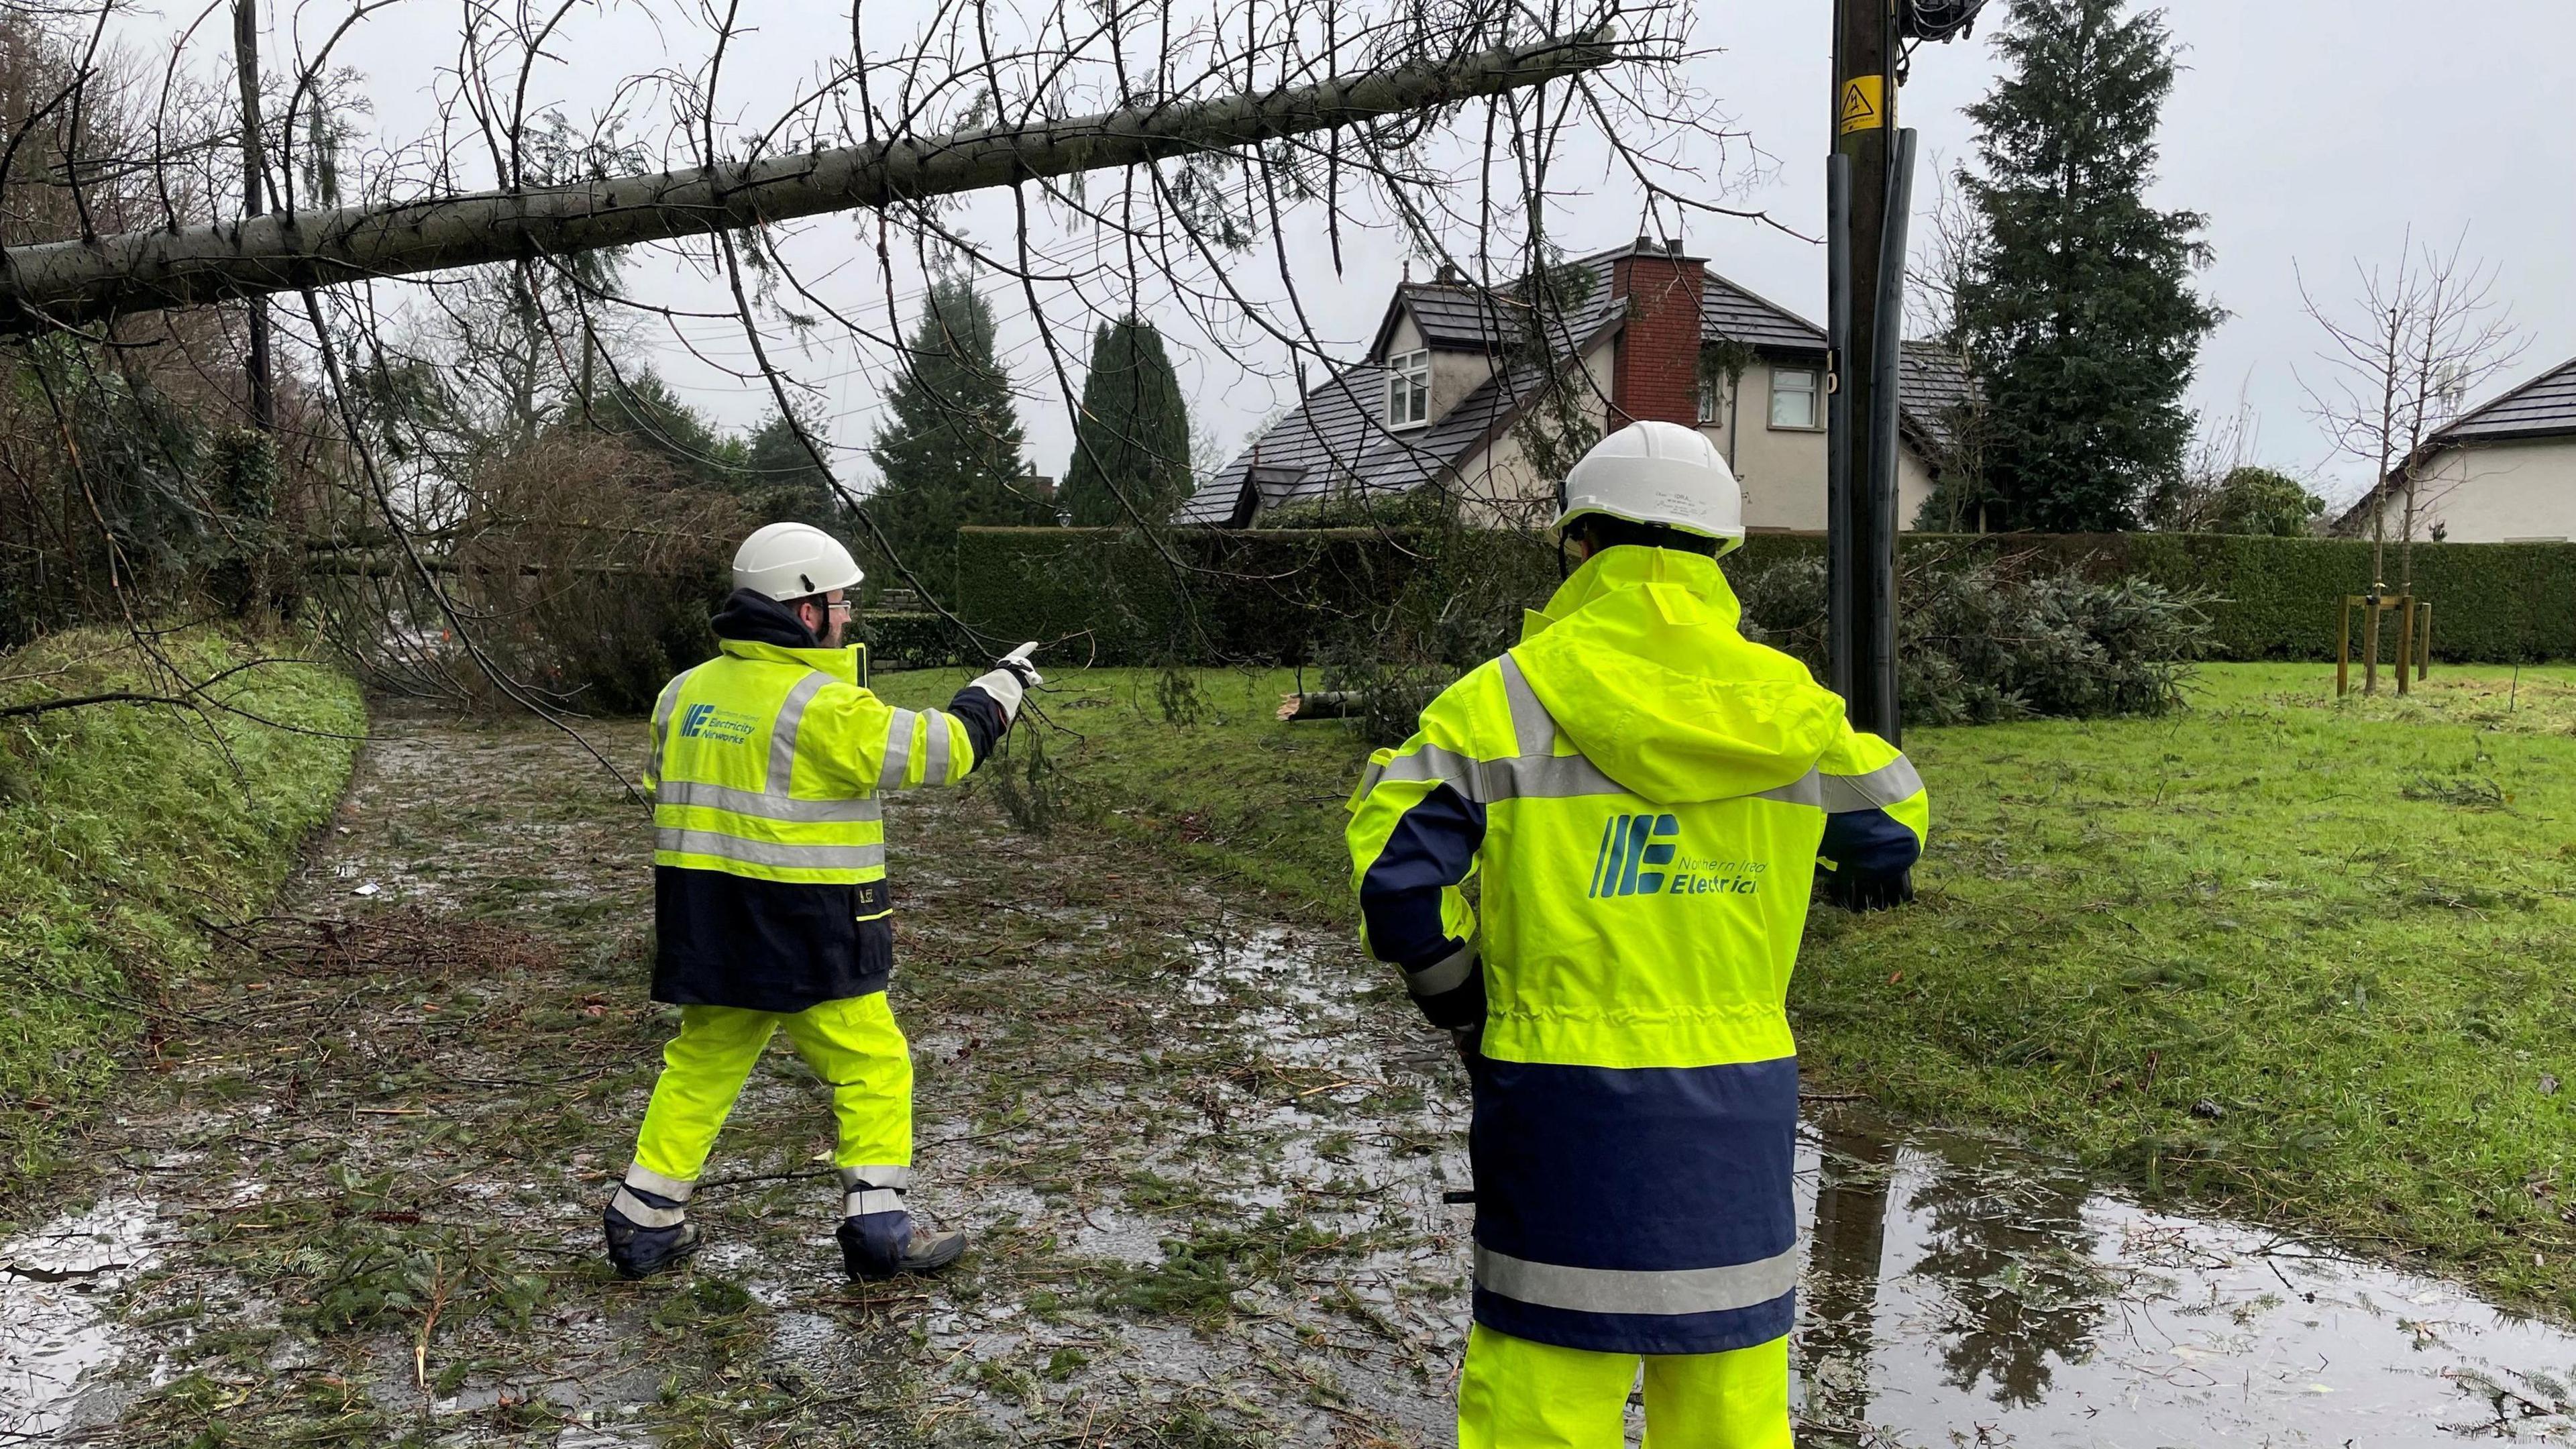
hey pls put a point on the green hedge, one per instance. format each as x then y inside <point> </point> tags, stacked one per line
<point>909,641</point>
<point>2280,598</point>
<point>1277,596</point>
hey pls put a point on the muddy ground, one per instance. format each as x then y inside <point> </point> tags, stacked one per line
<point>1200,1150</point>
<point>353,1194</point>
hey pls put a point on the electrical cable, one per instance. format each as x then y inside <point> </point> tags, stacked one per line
<point>1936,20</point>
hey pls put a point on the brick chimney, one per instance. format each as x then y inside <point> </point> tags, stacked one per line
<point>1654,374</point>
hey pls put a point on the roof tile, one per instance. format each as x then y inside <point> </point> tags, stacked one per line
<point>2540,407</point>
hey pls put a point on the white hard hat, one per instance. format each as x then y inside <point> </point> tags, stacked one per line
<point>1659,473</point>
<point>793,561</point>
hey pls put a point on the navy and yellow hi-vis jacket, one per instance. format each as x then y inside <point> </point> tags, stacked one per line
<point>1647,795</point>
<point>768,770</point>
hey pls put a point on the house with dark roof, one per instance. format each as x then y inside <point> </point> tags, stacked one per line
<point>2504,472</point>
<point>1454,372</point>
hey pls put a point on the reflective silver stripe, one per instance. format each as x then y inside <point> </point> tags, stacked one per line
<point>663,709</point>
<point>1446,974</point>
<point>1614,1290</point>
<point>640,1176</point>
<point>1526,778</point>
<point>898,753</point>
<point>1433,763</point>
<point>1807,789</point>
<point>1370,776</point>
<point>871,1200</point>
<point>1889,783</point>
<point>934,755</point>
<point>767,852</point>
<point>1533,728</point>
<point>772,807</point>
<point>855,1178</point>
<point>1545,777</point>
<point>782,731</point>
<point>636,1211</point>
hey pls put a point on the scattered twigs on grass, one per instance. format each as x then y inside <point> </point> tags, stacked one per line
<point>2468,792</point>
<point>399,944</point>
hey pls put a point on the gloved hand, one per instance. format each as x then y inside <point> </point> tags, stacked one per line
<point>1470,1042</point>
<point>1011,677</point>
<point>1860,893</point>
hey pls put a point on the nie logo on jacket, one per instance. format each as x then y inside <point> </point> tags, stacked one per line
<point>1641,855</point>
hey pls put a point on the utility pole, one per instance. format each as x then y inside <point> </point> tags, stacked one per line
<point>263,395</point>
<point>1869,190</point>
<point>1861,560</point>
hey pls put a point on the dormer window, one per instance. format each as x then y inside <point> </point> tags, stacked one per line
<point>1408,389</point>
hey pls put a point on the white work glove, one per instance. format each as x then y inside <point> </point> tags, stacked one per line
<point>1013,677</point>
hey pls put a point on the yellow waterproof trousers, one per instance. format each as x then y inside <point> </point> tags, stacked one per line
<point>852,1044</point>
<point>1516,1394</point>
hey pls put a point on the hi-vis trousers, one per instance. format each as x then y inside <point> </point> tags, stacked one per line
<point>1516,1394</point>
<point>852,1044</point>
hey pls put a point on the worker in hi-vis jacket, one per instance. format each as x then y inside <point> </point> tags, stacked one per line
<point>770,765</point>
<point>1647,796</point>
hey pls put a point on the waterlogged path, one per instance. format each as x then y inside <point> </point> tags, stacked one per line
<point>1201,1147</point>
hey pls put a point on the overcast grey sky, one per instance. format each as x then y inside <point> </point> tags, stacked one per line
<point>2313,132</point>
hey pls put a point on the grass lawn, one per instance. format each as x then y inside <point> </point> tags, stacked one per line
<point>121,828</point>
<point>2307,960</point>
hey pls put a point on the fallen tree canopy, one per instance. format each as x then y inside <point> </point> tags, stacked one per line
<point>127,825</point>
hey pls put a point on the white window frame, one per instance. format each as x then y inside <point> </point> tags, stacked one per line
<point>1712,397</point>
<point>1814,392</point>
<point>1408,389</point>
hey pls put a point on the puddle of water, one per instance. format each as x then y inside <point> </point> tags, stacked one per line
<point>1959,1293</point>
<point>54,1286</point>
<point>1296,1014</point>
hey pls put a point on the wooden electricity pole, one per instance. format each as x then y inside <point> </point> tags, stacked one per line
<point>1867,316</point>
<point>263,396</point>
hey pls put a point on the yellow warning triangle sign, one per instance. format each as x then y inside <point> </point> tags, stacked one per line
<point>1861,108</point>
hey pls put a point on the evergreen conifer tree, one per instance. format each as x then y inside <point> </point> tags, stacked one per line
<point>780,478</point>
<point>950,453</point>
<point>1131,445</point>
<point>2076,310</point>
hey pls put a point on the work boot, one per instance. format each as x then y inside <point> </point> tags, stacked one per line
<point>648,1231</point>
<point>879,1238</point>
<point>877,1246</point>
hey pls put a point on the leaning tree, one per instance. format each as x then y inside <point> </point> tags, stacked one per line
<point>1196,161</point>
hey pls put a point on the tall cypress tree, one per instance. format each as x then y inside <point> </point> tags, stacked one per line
<point>1131,446</point>
<point>779,475</point>
<point>950,454</point>
<point>2077,310</point>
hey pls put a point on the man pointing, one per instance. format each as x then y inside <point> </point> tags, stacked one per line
<point>1647,795</point>
<point>769,766</point>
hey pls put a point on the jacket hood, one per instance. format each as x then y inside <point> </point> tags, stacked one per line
<point>1639,659</point>
<point>755,626</point>
<point>760,619</point>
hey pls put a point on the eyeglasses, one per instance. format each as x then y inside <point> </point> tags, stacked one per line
<point>845,606</point>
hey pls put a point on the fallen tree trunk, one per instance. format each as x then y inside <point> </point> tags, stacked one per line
<point>1348,703</point>
<point>381,568</point>
<point>75,283</point>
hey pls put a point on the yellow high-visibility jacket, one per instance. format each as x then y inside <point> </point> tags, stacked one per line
<point>1646,794</point>
<point>769,767</point>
